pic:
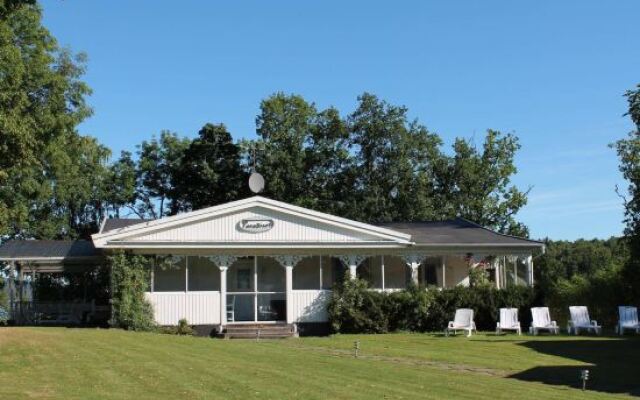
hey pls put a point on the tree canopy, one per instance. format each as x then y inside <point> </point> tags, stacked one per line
<point>50,176</point>
<point>373,164</point>
<point>629,154</point>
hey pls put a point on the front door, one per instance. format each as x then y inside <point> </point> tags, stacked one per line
<point>256,291</point>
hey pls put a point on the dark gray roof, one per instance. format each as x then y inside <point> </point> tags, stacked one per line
<point>39,249</point>
<point>112,224</point>
<point>456,231</point>
<point>448,232</point>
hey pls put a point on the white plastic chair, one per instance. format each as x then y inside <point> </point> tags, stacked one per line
<point>463,321</point>
<point>508,321</point>
<point>580,320</point>
<point>628,319</point>
<point>541,321</point>
<point>231,307</point>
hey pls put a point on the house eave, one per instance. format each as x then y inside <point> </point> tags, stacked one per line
<point>253,245</point>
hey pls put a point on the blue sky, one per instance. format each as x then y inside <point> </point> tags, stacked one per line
<point>551,72</point>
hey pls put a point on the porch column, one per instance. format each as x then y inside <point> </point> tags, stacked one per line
<point>223,295</point>
<point>413,262</point>
<point>288,262</point>
<point>289,289</point>
<point>496,265</point>
<point>352,261</point>
<point>223,262</point>
<point>513,259</point>
<point>12,289</point>
<point>530,270</point>
<point>444,272</point>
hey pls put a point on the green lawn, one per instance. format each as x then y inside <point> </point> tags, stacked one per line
<point>111,364</point>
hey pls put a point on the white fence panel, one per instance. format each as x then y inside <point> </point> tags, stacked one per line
<point>310,305</point>
<point>199,308</point>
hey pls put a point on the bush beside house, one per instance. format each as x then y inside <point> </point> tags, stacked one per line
<point>354,308</point>
<point>130,276</point>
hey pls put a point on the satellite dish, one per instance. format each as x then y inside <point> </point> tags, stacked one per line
<point>256,182</point>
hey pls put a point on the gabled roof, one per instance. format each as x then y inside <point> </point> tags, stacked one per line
<point>123,233</point>
<point>54,250</point>
<point>456,232</point>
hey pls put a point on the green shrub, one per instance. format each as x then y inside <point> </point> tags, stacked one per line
<point>356,309</point>
<point>183,328</point>
<point>130,276</point>
<point>602,293</point>
<point>409,310</point>
<point>353,308</point>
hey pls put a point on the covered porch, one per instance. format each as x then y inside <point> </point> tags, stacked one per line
<point>54,283</point>
<point>295,288</point>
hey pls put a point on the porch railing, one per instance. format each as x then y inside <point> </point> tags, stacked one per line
<point>55,313</point>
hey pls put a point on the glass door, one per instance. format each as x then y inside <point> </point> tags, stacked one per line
<point>256,290</point>
<point>240,291</point>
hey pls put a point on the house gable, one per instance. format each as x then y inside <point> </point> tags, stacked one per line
<point>255,221</point>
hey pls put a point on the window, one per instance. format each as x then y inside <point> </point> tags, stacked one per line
<point>371,271</point>
<point>204,275</point>
<point>522,273</point>
<point>428,273</point>
<point>396,273</point>
<point>240,276</point>
<point>271,275</point>
<point>306,275</point>
<point>332,272</point>
<point>169,275</point>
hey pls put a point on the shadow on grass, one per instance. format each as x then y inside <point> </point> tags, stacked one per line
<point>615,364</point>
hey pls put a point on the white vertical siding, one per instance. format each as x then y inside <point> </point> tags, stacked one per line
<point>309,305</point>
<point>199,308</point>
<point>286,228</point>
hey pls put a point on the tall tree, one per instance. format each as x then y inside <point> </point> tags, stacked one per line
<point>327,161</point>
<point>392,163</point>
<point>80,196</point>
<point>283,125</point>
<point>628,150</point>
<point>210,171</point>
<point>158,166</point>
<point>122,182</point>
<point>42,101</point>
<point>476,183</point>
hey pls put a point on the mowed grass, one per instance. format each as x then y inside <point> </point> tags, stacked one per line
<point>61,363</point>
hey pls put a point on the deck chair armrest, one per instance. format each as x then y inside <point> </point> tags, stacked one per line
<point>594,322</point>
<point>450,325</point>
<point>554,323</point>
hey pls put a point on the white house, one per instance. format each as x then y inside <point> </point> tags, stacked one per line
<point>263,261</point>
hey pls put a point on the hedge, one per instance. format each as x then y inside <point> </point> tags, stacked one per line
<point>354,308</point>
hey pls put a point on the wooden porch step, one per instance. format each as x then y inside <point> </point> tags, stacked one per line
<point>259,331</point>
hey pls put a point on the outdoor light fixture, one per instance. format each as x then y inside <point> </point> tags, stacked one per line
<point>584,375</point>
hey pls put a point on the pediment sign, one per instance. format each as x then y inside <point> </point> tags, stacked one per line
<point>256,225</point>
